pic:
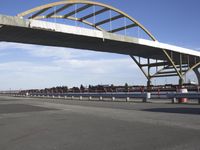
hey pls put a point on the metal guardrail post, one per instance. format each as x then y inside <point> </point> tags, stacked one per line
<point>100,98</point>
<point>113,98</point>
<point>148,96</point>
<point>174,100</point>
<point>127,99</point>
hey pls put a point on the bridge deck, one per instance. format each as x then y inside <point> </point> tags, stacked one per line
<point>15,29</point>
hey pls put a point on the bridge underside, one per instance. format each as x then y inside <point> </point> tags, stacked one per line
<point>50,38</point>
<point>164,59</point>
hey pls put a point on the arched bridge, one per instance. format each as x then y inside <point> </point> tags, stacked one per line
<point>96,26</point>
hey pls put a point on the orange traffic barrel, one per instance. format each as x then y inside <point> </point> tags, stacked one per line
<point>183,100</point>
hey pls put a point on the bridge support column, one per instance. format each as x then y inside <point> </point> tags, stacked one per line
<point>149,85</point>
<point>148,93</point>
<point>181,81</point>
<point>196,71</point>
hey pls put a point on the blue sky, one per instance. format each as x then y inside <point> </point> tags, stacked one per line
<point>29,66</point>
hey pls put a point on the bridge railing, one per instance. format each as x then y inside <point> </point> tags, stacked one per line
<point>184,95</point>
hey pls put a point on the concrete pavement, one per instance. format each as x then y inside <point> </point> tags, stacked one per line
<point>46,124</point>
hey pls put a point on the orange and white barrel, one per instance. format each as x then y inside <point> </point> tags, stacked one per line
<point>183,100</point>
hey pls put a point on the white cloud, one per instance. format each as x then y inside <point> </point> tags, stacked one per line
<point>37,51</point>
<point>47,51</point>
<point>56,53</point>
<point>71,59</point>
<point>26,67</point>
<point>8,45</point>
<point>97,66</point>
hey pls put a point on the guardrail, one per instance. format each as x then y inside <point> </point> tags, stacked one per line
<point>106,95</point>
<point>184,95</point>
<point>144,96</point>
<point>175,96</point>
<point>100,96</point>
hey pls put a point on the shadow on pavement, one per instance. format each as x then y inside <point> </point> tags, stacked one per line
<point>19,108</point>
<point>181,110</point>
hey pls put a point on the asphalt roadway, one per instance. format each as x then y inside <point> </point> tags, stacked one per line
<point>47,124</point>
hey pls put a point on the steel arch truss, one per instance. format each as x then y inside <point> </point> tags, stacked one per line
<point>58,10</point>
<point>176,64</point>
